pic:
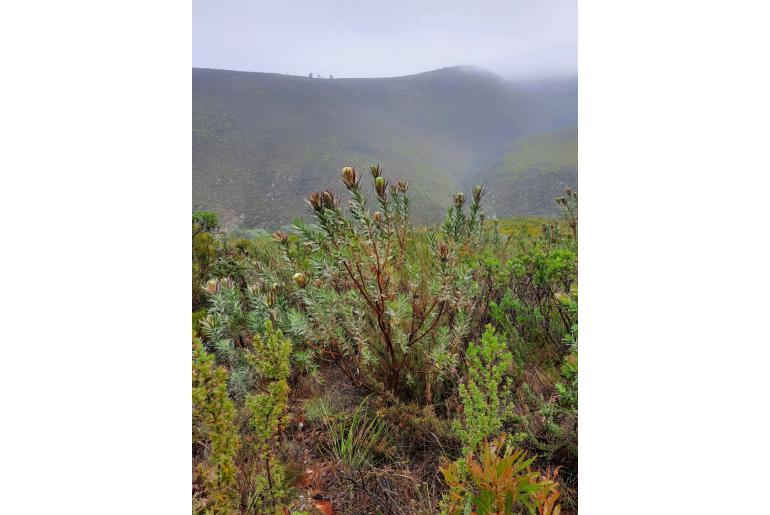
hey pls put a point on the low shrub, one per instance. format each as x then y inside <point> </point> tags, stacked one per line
<point>214,436</point>
<point>485,395</point>
<point>498,481</point>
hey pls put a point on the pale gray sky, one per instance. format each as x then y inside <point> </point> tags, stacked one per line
<point>365,38</point>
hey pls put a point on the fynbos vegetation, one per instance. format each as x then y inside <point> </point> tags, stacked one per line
<point>362,364</point>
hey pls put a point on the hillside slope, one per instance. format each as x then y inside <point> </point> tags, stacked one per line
<point>531,174</point>
<point>262,142</point>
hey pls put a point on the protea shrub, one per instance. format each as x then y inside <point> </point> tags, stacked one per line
<point>381,297</point>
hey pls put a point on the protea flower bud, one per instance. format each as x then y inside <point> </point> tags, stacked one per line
<point>478,192</point>
<point>459,200</point>
<point>377,216</point>
<point>299,279</point>
<point>380,186</point>
<point>315,201</point>
<point>403,186</point>
<point>569,191</point>
<point>376,171</point>
<point>330,200</point>
<point>349,177</point>
<point>443,251</point>
<point>281,237</point>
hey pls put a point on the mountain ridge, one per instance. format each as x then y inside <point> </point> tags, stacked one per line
<point>459,68</point>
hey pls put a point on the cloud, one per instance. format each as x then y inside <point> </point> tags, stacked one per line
<point>514,38</point>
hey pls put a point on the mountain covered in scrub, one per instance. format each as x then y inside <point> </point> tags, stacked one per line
<point>263,141</point>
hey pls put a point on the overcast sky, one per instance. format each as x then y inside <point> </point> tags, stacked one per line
<point>364,38</point>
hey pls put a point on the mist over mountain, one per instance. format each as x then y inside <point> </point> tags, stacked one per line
<point>262,142</point>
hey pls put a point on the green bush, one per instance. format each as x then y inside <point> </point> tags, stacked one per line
<point>214,435</point>
<point>204,221</point>
<point>304,361</point>
<point>375,293</point>
<point>500,481</point>
<point>268,415</point>
<point>485,395</point>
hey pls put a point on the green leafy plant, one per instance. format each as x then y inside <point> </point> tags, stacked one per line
<point>204,221</point>
<point>234,321</point>
<point>374,291</point>
<point>304,361</point>
<point>459,226</point>
<point>568,387</point>
<point>215,436</point>
<point>270,358</point>
<point>500,481</point>
<point>205,250</point>
<point>485,395</point>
